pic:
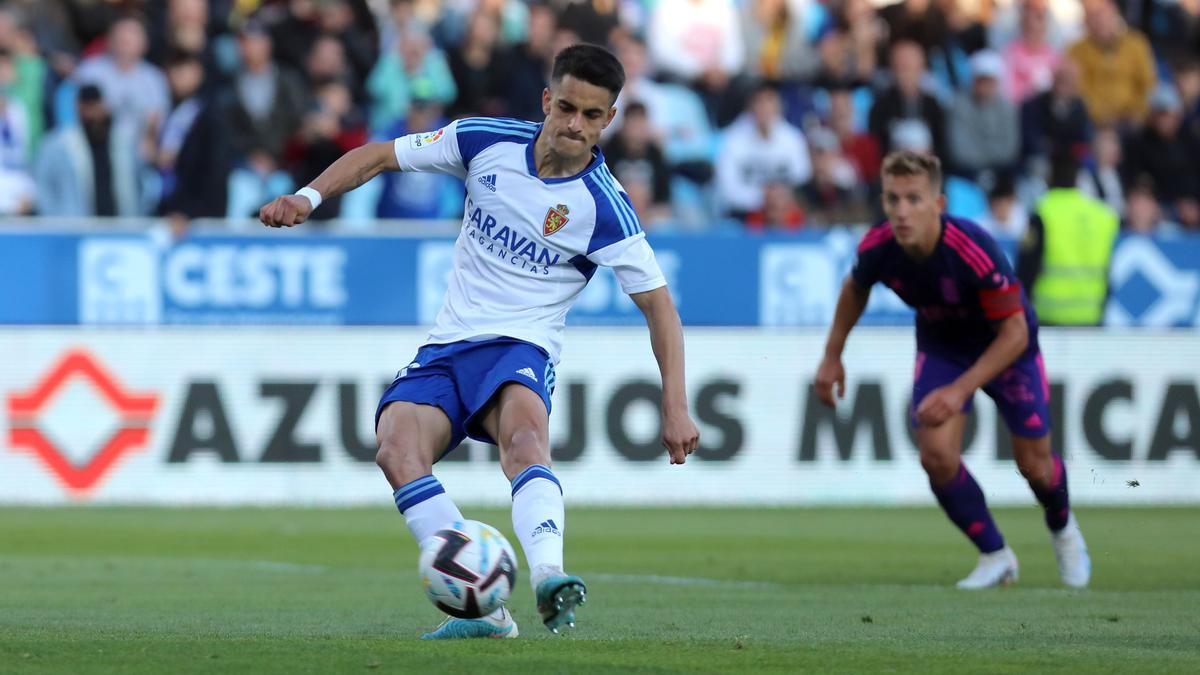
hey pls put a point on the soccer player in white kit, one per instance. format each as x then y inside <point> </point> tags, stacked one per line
<point>542,213</point>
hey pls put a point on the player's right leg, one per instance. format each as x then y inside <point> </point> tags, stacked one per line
<point>955,488</point>
<point>418,420</point>
<point>411,436</point>
<point>963,501</point>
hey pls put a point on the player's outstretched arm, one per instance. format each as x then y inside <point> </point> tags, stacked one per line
<point>1012,336</point>
<point>349,171</point>
<point>680,436</point>
<point>851,303</point>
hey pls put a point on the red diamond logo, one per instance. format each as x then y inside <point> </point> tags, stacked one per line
<point>135,411</point>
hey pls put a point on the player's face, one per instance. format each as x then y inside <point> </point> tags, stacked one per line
<point>576,113</point>
<point>914,210</point>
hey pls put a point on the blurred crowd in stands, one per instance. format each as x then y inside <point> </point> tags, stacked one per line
<point>756,114</point>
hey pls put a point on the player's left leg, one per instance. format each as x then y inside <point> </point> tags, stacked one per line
<point>1048,478</point>
<point>1022,396</point>
<point>518,419</point>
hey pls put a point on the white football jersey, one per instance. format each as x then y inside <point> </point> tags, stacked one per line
<point>528,245</point>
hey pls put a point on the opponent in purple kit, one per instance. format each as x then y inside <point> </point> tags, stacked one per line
<point>975,330</point>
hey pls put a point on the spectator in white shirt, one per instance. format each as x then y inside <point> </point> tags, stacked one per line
<point>693,39</point>
<point>134,90</point>
<point>760,147</point>
<point>699,43</point>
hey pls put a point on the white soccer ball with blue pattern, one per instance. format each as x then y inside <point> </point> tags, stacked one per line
<point>468,570</point>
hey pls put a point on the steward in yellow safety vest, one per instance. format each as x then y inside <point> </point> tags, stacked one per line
<point>1066,251</point>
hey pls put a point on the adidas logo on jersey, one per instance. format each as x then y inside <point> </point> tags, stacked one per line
<point>488,181</point>
<point>528,372</point>
<point>547,527</point>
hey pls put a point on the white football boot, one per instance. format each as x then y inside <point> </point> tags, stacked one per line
<point>998,568</point>
<point>1074,563</point>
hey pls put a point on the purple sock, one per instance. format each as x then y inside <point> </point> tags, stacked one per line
<point>963,502</point>
<point>1054,498</point>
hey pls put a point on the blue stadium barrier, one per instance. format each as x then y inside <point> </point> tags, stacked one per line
<point>311,277</point>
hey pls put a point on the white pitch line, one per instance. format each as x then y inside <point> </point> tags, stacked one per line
<point>258,565</point>
<point>683,581</point>
<point>273,566</point>
<point>211,563</point>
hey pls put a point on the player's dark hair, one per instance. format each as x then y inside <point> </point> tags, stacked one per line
<point>592,64</point>
<point>911,163</point>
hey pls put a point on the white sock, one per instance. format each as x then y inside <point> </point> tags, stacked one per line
<point>539,520</point>
<point>426,507</point>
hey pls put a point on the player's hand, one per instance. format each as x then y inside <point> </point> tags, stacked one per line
<point>285,211</point>
<point>680,435</point>
<point>829,374</point>
<point>940,405</point>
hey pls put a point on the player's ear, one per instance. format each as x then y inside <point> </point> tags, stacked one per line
<point>546,101</point>
<point>941,201</point>
<point>612,112</point>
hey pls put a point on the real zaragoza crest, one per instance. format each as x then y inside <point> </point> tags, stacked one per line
<point>556,219</point>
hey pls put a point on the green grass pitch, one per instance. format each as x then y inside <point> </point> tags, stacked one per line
<point>87,590</point>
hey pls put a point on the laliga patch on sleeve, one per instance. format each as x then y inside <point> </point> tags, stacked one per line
<point>428,138</point>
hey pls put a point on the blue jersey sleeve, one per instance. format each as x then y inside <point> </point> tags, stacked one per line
<point>476,134</point>
<point>615,218</point>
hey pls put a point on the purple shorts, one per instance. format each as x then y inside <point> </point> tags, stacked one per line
<point>1021,393</point>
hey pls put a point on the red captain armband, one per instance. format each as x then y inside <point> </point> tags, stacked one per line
<point>1001,303</point>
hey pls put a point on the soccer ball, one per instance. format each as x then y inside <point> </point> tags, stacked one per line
<point>468,570</point>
